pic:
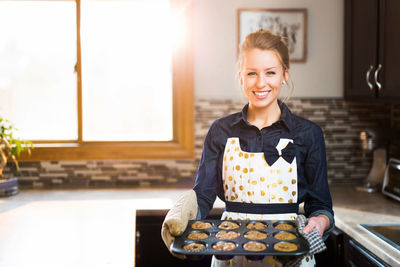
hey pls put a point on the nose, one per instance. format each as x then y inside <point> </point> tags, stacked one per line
<point>260,81</point>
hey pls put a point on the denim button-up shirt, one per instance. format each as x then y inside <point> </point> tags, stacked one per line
<point>310,154</point>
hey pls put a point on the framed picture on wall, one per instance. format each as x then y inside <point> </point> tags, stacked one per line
<point>289,23</point>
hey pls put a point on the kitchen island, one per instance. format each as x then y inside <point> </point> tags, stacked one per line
<point>97,227</point>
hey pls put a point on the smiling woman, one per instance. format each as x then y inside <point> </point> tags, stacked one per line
<point>132,96</point>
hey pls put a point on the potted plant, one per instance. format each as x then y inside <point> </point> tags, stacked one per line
<point>10,149</point>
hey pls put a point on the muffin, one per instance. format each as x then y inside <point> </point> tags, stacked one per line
<point>285,246</point>
<point>256,225</point>
<point>201,225</point>
<point>255,235</point>
<point>226,235</point>
<point>254,246</point>
<point>284,226</point>
<point>194,246</point>
<point>224,246</point>
<point>197,235</point>
<point>285,236</point>
<point>228,225</point>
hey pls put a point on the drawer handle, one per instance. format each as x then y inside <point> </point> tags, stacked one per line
<point>376,77</point>
<point>370,85</point>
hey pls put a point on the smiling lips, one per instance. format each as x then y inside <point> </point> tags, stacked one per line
<point>261,94</point>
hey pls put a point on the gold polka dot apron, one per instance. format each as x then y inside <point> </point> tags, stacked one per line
<point>269,191</point>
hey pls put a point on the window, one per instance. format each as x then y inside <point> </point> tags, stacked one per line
<point>99,79</point>
<point>37,59</point>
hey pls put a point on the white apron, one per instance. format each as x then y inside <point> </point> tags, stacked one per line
<point>248,178</point>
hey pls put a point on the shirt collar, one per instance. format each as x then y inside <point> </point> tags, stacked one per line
<point>241,116</point>
<point>286,116</point>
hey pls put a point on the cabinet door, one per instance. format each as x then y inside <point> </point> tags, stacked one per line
<point>149,247</point>
<point>389,53</point>
<point>356,255</point>
<point>150,250</point>
<point>333,255</point>
<point>361,46</point>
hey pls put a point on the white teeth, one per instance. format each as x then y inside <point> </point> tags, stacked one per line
<point>264,93</point>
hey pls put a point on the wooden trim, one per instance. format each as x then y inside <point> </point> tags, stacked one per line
<point>238,31</point>
<point>182,145</point>
<point>168,150</point>
<point>183,80</point>
<point>79,70</point>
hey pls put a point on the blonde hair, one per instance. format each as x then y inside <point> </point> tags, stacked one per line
<point>266,40</point>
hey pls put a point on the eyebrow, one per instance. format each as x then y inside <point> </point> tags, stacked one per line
<point>264,69</point>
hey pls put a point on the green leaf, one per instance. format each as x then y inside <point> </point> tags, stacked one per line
<point>17,145</point>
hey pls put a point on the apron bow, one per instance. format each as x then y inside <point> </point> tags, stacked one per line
<point>271,153</point>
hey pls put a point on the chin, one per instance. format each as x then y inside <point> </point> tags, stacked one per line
<point>264,103</point>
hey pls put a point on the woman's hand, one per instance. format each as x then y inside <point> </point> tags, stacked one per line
<point>320,222</point>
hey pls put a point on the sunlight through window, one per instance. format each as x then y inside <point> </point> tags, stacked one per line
<point>99,79</point>
<point>127,70</point>
<point>37,59</point>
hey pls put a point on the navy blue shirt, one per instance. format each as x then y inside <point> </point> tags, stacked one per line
<point>309,150</point>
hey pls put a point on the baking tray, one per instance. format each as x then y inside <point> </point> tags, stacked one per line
<point>240,241</point>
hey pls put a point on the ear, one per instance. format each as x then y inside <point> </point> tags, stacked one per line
<point>240,77</point>
<point>286,76</point>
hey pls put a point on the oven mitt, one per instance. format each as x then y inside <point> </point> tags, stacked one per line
<point>315,241</point>
<point>177,218</point>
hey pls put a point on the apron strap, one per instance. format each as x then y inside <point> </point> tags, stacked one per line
<point>261,208</point>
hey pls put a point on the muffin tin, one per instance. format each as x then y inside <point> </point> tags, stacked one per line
<point>240,241</point>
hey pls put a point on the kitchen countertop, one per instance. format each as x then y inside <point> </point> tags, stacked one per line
<point>65,228</point>
<point>95,227</point>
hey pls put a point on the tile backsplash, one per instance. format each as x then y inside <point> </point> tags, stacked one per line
<point>340,120</point>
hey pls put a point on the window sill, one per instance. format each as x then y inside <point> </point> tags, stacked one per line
<point>100,151</point>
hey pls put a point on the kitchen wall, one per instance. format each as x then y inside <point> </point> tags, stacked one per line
<point>318,96</point>
<point>341,122</point>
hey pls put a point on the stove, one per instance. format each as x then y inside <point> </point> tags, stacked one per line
<point>390,233</point>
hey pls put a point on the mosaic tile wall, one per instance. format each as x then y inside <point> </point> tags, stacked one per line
<point>341,121</point>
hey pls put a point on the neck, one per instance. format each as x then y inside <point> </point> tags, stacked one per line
<point>263,117</point>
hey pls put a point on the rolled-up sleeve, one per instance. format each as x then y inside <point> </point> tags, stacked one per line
<point>318,199</point>
<point>207,174</point>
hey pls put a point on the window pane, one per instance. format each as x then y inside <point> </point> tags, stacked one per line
<point>37,58</point>
<point>126,70</point>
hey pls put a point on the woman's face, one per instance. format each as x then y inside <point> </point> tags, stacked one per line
<point>261,77</point>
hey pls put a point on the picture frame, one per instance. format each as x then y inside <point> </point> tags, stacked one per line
<point>289,23</point>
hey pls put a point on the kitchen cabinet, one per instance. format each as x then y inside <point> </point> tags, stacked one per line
<point>150,250</point>
<point>356,255</point>
<point>342,250</point>
<point>149,247</point>
<point>333,255</point>
<point>372,42</point>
